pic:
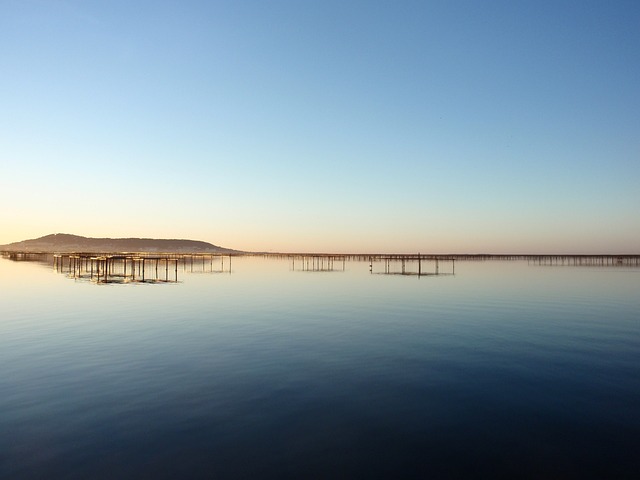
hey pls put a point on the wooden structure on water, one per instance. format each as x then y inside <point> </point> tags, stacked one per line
<point>611,260</point>
<point>137,268</point>
<point>318,263</point>
<point>417,265</point>
<point>164,267</point>
<point>25,256</point>
<point>117,268</point>
<point>422,265</point>
<point>205,263</point>
<point>586,260</point>
<point>400,264</point>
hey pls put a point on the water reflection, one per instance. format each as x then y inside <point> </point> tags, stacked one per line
<point>501,371</point>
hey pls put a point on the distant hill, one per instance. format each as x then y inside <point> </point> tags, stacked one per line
<point>63,242</point>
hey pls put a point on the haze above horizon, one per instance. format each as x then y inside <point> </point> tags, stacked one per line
<point>494,127</point>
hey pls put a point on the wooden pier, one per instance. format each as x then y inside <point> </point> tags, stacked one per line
<point>118,268</point>
<point>137,268</point>
<point>25,256</point>
<point>417,265</point>
<point>318,263</point>
<point>585,260</point>
<point>205,263</point>
<point>165,267</point>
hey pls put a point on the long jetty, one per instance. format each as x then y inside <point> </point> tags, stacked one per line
<point>555,259</point>
<point>164,267</point>
<point>393,264</point>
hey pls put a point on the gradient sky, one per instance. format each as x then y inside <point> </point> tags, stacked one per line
<point>336,126</point>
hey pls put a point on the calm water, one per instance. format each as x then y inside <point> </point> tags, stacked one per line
<point>503,370</point>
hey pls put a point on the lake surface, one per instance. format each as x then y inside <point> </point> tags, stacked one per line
<point>504,369</point>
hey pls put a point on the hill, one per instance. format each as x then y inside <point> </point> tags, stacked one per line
<point>63,242</point>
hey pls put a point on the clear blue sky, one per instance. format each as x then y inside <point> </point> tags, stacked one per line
<point>392,126</point>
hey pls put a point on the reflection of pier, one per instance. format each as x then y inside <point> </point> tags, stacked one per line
<point>318,263</point>
<point>418,265</point>
<point>136,268</point>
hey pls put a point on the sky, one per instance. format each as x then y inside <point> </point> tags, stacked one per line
<point>324,126</point>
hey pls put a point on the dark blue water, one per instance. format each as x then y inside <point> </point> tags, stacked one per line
<point>503,370</point>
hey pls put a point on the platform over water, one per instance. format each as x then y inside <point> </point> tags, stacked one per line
<point>126,267</point>
<point>119,267</point>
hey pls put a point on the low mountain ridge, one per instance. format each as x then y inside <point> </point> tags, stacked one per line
<point>64,242</point>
